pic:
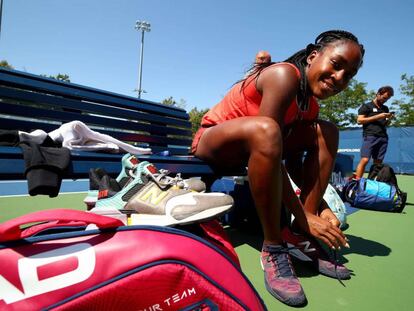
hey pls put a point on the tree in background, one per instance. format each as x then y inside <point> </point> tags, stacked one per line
<point>195,118</point>
<point>59,77</point>
<point>342,109</point>
<point>170,101</point>
<point>404,107</point>
<point>5,64</point>
<point>195,115</point>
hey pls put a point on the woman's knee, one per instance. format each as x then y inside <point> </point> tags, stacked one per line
<point>265,136</point>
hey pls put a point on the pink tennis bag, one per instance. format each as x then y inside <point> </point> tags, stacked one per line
<point>61,264</point>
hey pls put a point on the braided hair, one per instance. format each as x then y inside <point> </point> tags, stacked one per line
<point>299,59</point>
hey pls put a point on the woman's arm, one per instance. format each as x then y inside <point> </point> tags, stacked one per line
<point>279,86</point>
<point>320,228</point>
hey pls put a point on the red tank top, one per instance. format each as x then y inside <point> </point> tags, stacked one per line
<point>244,102</point>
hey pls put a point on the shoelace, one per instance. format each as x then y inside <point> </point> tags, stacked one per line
<point>164,181</point>
<point>179,181</point>
<point>283,265</point>
<point>161,178</point>
<point>336,261</point>
<point>334,256</point>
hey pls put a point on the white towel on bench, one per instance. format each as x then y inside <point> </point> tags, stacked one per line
<point>37,136</point>
<point>76,135</point>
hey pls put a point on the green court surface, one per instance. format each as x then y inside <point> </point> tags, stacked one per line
<point>381,256</point>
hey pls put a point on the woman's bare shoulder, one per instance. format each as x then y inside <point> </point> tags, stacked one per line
<point>282,74</point>
<point>287,69</point>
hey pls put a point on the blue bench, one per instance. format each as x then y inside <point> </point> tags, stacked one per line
<point>29,102</point>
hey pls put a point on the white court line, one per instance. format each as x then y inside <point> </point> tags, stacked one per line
<point>12,181</point>
<point>25,181</point>
<point>27,195</point>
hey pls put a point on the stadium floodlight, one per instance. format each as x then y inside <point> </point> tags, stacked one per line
<point>143,27</point>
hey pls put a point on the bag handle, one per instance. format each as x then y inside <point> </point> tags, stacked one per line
<point>10,230</point>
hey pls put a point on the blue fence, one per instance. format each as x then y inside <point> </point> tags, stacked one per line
<point>400,153</point>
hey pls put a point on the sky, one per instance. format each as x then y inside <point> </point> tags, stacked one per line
<point>196,49</point>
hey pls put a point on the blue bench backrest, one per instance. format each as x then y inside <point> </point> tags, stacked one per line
<point>30,102</point>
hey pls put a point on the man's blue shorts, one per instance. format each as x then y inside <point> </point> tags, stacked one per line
<point>375,147</point>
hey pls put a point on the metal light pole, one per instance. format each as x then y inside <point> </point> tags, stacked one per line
<point>1,13</point>
<point>143,27</point>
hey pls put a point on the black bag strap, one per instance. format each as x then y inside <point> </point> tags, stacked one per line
<point>374,170</point>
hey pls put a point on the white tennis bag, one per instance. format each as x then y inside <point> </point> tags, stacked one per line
<point>334,202</point>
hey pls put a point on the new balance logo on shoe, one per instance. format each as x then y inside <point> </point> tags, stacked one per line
<point>152,195</point>
<point>298,253</point>
<point>307,246</point>
<point>308,249</point>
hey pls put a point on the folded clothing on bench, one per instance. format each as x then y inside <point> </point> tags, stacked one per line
<point>76,135</point>
<point>45,160</point>
<point>44,168</point>
<point>45,165</point>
